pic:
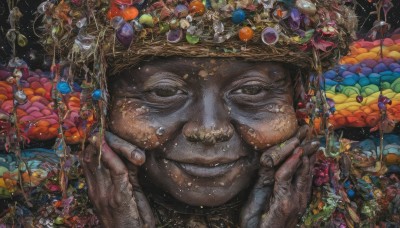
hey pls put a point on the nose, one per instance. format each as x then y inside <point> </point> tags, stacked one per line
<point>210,122</point>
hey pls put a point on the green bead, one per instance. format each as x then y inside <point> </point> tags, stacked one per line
<point>22,40</point>
<point>192,39</point>
<point>146,19</point>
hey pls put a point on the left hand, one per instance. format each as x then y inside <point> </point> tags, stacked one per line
<point>259,201</point>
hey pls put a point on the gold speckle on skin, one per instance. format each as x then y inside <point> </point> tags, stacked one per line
<point>203,73</point>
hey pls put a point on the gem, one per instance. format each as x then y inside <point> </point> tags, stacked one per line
<point>330,102</point>
<point>306,7</point>
<point>130,13</point>
<point>82,22</point>
<point>164,27</point>
<point>125,34</point>
<point>189,18</point>
<point>197,8</point>
<point>381,106</point>
<point>117,22</point>
<point>97,95</point>
<point>146,19</point>
<point>246,34</point>
<point>136,25</point>
<point>192,39</point>
<point>280,13</point>
<point>181,11</point>
<point>184,24</point>
<point>114,11</point>
<point>84,42</point>
<point>238,16</point>
<point>20,97</point>
<point>174,36</point>
<point>269,36</point>
<point>63,87</point>
<point>359,98</point>
<point>218,27</point>
<point>351,193</point>
<point>22,40</point>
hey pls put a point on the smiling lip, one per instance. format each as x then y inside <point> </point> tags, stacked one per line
<point>206,171</point>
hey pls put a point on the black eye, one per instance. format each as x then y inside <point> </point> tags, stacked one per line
<point>166,91</point>
<point>250,90</point>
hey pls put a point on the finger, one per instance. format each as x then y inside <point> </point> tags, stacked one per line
<point>110,159</point>
<point>303,175</point>
<point>287,170</point>
<point>258,198</point>
<point>278,153</point>
<point>303,183</point>
<point>125,149</point>
<point>310,147</point>
<point>302,132</point>
<point>143,206</point>
<point>87,173</point>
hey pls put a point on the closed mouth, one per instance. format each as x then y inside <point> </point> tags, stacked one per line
<point>212,170</point>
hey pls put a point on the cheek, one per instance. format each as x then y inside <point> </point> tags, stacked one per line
<point>130,121</point>
<point>278,125</point>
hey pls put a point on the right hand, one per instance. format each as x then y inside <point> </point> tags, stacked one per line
<point>113,185</point>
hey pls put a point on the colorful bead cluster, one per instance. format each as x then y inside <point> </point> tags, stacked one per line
<point>32,95</point>
<point>217,21</point>
<point>351,187</point>
<point>366,84</point>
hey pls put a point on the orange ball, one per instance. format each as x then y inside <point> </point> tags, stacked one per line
<point>130,13</point>
<point>246,34</point>
<point>197,7</point>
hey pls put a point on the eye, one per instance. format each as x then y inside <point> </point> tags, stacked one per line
<point>166,91</point>
<point>249,90</point>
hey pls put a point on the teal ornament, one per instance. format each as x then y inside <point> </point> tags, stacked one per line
<point>238,16</point>
<point>97,95</point>
<point>63,88</point>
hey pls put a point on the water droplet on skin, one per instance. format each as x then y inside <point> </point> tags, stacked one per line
<point>160,131</point>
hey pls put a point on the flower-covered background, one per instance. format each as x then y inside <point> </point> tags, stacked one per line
<point>354,181</point>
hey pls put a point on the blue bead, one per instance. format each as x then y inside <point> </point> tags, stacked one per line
<point>351,193</point>
<point>346,184</point>
<point>63,88</point>
<point>97,95</point>
<point>238,16</point>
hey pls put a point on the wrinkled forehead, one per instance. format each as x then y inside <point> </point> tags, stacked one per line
<point>203,68</point>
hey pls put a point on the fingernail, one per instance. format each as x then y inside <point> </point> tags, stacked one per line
<point>315,144</point>
<point>267,162</point>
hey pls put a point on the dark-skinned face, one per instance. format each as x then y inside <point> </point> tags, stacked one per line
<point>202,122</point>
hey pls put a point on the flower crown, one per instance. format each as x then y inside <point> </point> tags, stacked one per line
<point>300,32</point>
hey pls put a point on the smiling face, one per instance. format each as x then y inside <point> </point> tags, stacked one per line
<point>203,122</point>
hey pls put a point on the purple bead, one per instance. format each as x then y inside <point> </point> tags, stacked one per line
<point>381,106</point>
<point>175,35</point>
<point>393,66</point>
<point>269,36</point>
<point>181,11</point>
<point>366,71</point>
<point>330,102</point>
<point>359,98</point>
<point>125,34</point>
